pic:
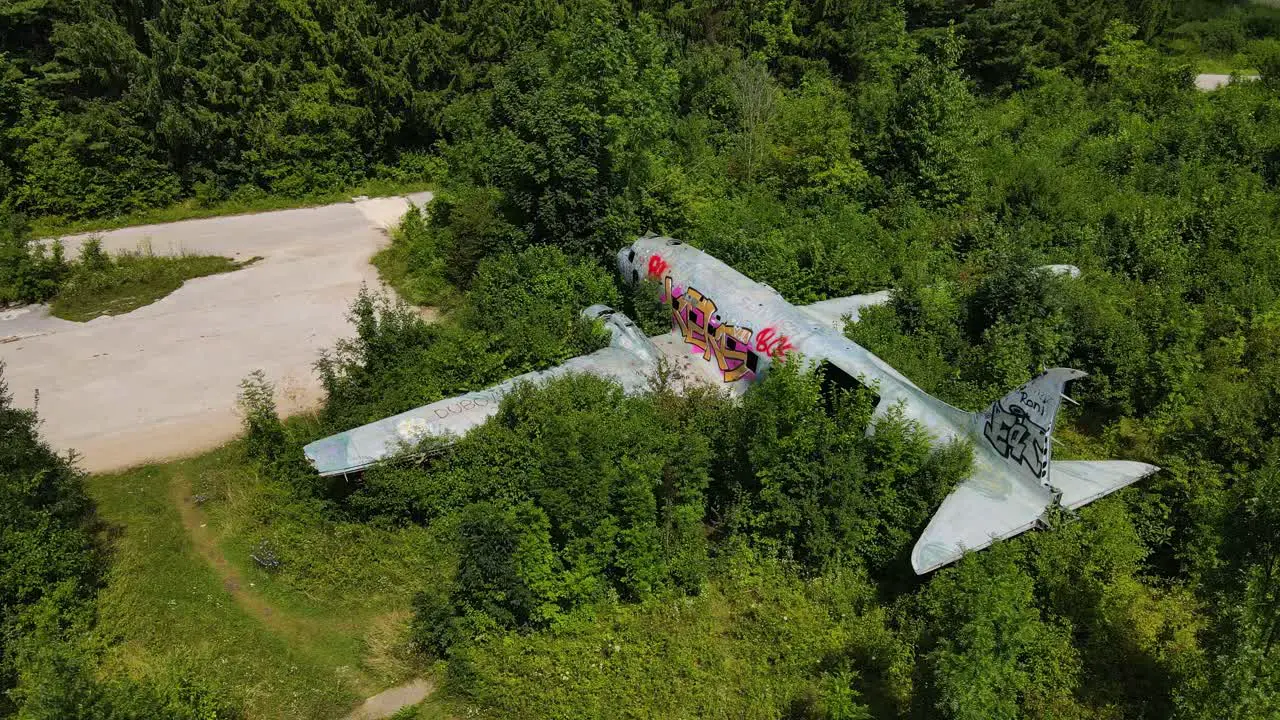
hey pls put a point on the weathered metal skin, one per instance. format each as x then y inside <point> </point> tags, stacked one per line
<point>630,359</point>
<point>730,330</point>
<point>1011,484</point>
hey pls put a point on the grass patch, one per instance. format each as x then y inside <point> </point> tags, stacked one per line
<point>1225,66</point>
<point>413,265</point>
<point>190,209</point>
<point>126,282</point>
<point>310,639</point>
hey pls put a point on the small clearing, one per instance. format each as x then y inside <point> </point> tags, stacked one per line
<point>161,381</point>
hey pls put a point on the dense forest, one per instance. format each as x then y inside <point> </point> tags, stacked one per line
<point>681,555</point>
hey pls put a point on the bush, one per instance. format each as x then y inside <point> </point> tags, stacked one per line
<point>531,302</point>
<point>263,432</point>
<point>30,271</point>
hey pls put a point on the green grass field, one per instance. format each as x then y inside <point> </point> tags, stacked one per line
<point>308,640</point>
<point>131,281</point>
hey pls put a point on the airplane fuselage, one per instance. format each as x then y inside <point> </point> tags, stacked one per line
<point>735,329</point>
<point>742,327</point>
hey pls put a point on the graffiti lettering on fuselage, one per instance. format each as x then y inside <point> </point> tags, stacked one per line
<point>414,429</point>
<point>773,344</point>
<point>657,267</point>
<point>694,315</point>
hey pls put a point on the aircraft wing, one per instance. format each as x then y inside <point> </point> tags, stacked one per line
<point>993,504</point>
<point>833,312</point>
<point>630,360</point>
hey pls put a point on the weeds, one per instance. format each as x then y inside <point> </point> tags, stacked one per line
<point>98,284</point>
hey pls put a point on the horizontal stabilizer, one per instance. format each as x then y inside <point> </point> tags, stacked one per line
<point>1013,480</point>
<point>833,312</point>
<point>1083,481</point>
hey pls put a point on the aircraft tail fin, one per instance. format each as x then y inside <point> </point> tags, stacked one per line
<point>1019,426</point>
<point>1013,479</point>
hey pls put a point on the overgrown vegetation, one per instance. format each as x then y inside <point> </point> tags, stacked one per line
<point>96,283</point>
<point>683,555</point>
<point>52,570</point>
<point>1224,37</point>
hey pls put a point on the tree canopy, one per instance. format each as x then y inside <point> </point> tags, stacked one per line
<point>684,555</point>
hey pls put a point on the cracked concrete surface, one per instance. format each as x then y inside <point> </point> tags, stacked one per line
<point>161,381</point>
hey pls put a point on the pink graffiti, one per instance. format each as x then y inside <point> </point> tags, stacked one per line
<point>694,316</point>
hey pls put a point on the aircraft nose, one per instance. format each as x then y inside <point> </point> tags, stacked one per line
<point>626,265</point>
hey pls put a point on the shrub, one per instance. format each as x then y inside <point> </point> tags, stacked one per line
<point>30,271</point>
<point>263,432</point>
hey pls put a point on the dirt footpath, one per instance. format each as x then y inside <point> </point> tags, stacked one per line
<point>161,381</point>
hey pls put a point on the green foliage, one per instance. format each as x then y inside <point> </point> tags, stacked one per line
<point>805,474</point>
<point>762,641</point>
<point>433,255</point>
<point>522,313</point>
<point>1227,37</point>
<point>465,227</point>
<point>29,271</point>
<point>98,284</point>
<point>506,573</point>
<point>58,684</point>
<point>539,294</point>
<point>565,132</point>
<point>643,303</point>
<point>121,108</point>
<point>814,145</point>
<point>264,434</point>
<point>1137,640</point>
<point>1138,75</point>
<point>1266,57</point>
<point>617,482</point>
<point>989,652</point>
<point>931,129</point>
<point>51,567</point>
<point>413,264</point>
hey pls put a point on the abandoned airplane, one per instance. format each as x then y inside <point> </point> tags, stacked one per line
<point>731,329</point>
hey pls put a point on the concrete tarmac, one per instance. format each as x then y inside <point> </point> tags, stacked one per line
<point>161,381</point>
<point>1214,81</point>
